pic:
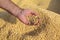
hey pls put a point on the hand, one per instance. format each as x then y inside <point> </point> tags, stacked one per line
<point>24,13</point>
<point>16,11</point>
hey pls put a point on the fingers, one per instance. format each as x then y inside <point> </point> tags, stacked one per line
<point>24,19</point>
<point>34,13</point>
<point>24,16</point>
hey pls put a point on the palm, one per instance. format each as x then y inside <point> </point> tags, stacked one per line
<point>22,16</point>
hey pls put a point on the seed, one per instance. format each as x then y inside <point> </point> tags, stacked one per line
<point>33,19</point>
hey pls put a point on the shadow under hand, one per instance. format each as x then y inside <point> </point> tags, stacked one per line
<point>37,31</point>
<point>7,17</point>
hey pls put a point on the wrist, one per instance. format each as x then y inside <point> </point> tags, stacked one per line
<point>17,11</point>
<point>11,7</point>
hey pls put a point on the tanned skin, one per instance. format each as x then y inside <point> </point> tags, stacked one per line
<point>13,9</point>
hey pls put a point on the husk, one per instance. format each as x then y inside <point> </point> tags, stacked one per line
<point>13,29</point>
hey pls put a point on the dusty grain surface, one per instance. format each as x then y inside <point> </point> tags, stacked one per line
<point>12,29</point>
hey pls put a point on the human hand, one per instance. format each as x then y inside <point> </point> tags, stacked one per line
<point>17,11</point>
<point>26,13</point>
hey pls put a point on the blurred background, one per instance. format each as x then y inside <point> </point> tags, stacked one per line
<point>53,5</point>
<point>12,29</point>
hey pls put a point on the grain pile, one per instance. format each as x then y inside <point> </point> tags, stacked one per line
<point>12,29</point>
